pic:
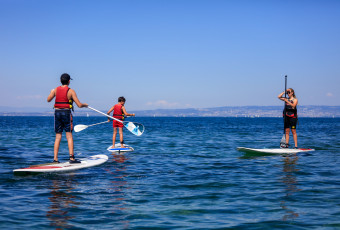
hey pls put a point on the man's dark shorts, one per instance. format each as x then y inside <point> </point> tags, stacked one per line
<point>290,122</point>
<point>63,120</point>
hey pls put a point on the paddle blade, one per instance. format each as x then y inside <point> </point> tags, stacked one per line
<point>283,141</point>
<point>135,128</point>
<point>79,128</point>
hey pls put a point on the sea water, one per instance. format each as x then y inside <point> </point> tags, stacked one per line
<point>185,173</point>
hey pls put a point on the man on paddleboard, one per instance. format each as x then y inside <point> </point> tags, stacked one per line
<point>63,120</point>
<point>290,115</point>
<point>119,112</point>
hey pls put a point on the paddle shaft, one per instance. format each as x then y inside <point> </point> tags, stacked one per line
<point>131,126</point>
<point>79,128</point>
<point>98,123</point>
<point>284,110</point>
<point>105,114</point>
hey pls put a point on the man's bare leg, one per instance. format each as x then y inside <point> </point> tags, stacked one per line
<point>56,145</point>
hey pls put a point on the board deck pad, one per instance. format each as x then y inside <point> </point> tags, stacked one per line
<point>63,167</point>
<point>274,151</point>
<point>118,148</point>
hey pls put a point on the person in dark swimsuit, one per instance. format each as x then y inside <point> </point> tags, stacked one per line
<point>290,115</point>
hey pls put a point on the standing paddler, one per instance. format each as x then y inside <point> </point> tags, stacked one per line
<point>290,115</point>
<point>119,112</point>
<point>63,120</point>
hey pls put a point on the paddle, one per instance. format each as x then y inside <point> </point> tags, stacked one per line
<point>283,140</point>
<point>134,127</point>
<point>79,128</point>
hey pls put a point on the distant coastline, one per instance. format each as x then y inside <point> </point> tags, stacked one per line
<point>226,111</point>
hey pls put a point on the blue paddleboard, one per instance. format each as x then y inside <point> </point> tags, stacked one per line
<point>118,148</point>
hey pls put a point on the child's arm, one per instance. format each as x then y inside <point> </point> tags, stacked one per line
<point>108,113</point>
<point>126,113</point>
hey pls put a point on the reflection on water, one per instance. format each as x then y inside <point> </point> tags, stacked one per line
<point>61,202</point>
<point>118,188</point>
<point>187,177</point>
<point>290,181</point>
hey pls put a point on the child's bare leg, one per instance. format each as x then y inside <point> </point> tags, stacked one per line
<point>121,137</point>
<point>114,137</point>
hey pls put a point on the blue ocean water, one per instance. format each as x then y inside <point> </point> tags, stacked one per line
<point>185,173</point>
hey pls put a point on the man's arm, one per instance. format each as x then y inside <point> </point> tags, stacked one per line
<point>76,100</point>
<point>51,96</point>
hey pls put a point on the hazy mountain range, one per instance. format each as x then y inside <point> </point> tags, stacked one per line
<point>226,111</point>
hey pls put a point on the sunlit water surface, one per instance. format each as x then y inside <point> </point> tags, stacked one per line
<point>185,173</point>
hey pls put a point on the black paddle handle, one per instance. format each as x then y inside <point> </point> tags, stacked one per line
<point>284,110</point>
<point>286,86</point>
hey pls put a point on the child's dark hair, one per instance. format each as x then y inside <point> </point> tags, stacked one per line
<point>121,99</point>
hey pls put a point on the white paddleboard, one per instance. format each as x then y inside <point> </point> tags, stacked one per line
<point>118,148</point>
<point>63,167</point>
<point>274,151</point>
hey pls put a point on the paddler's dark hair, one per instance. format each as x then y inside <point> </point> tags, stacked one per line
<point>64,78</point>
<point>121,99</point>
<point>292,90</point>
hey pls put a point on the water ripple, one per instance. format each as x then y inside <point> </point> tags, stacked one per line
<point>185,173</point>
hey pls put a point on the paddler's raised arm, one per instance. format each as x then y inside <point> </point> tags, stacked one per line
<point>280,96</point>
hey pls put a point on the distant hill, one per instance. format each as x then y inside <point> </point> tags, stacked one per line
<point>243,111</point>
<point>25,111</point>
<point>226,111</point>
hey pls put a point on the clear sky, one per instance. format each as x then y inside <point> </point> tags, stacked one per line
<point>170,53</point>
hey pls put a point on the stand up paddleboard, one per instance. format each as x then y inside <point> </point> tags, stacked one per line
<point>274,151</point>
<point>118,148</point>
<point>63,167</point>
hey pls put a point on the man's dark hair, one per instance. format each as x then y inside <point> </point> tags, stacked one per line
<point>64,78</point>
<point>121,99</point>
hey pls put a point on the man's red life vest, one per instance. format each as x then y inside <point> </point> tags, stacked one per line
<point>61,100</point>
<point>117,112</point>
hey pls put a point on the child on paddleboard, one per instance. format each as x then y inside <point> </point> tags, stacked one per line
<point>290,115</point>
<point>119,112</point>
<point>63,121</point>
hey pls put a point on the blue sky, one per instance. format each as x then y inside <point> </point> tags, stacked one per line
<point>170,53</point>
